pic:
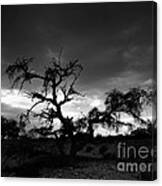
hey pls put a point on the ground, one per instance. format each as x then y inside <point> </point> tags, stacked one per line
<point>40,158</point>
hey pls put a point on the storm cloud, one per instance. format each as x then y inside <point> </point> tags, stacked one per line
<point>113,41</point>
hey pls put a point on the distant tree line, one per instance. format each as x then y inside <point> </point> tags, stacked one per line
<point>9,128</point>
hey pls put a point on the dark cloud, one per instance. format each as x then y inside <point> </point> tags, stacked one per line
<point>112,40</point>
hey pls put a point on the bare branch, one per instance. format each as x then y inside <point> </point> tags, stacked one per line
<point>37,95</point>
<point>32,107</point>
<point>20,72</point>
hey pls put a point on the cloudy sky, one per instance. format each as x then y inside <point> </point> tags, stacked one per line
<point>113,41</point>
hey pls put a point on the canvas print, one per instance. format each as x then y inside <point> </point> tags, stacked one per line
<point>78,94</point>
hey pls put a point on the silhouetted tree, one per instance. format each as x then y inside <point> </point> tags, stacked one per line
<point>131,102</point>
<point>135,99</point>
<point>9,128</point>
<point>57,79</point>
<point>81,125</point>
<point>93,117</point>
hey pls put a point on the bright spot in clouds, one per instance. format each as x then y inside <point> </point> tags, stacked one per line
<point>96,102</point>
<point>14,98</point>
<point>75,108</point>
<point>78,105</point>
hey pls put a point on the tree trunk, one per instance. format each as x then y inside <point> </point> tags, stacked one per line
<point>60,146</point>
<point>73,149</point>
<point>68,129</point>
<point>90,129</point>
